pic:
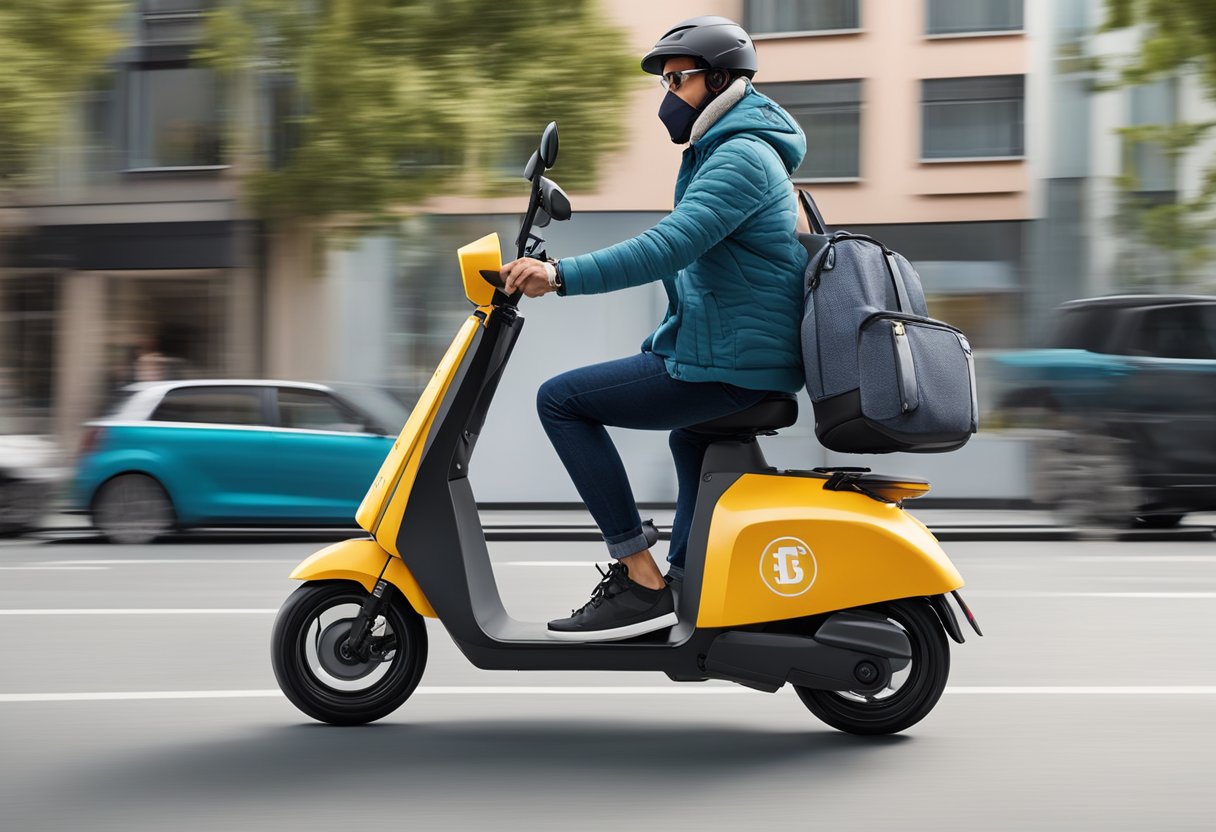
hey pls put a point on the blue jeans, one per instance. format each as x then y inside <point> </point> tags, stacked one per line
<point>637,393</point>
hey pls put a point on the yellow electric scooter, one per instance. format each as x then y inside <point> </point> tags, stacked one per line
<point>816,578</point>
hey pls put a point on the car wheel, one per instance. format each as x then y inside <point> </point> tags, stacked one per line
<point>21,505</point>
<point>1158,521</point>
<point>1086,478</point>
<point>132,509</point>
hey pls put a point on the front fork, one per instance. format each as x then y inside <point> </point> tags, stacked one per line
<point>359,642</point>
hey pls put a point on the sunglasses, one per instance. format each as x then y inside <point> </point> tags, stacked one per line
<point>674,80</point>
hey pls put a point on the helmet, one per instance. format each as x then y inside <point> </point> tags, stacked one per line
<point>718,41</point>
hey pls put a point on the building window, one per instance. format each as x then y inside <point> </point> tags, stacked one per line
<point>1154,104</point>
<point>175,118</point>
<point>957,17</point>
<point>972,118</point>
<point>173,21</point>
<point>829,112</point>
<point>766,17</point>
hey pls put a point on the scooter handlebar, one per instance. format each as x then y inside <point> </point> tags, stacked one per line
<point>494,278</point>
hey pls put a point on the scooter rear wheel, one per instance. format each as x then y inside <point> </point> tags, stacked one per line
<point>323,680</point>
<point>912,692</point>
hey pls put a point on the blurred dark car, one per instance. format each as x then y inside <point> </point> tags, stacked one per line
<point>30,474</point>
<point>233,453</point>
<point>1126,403</point>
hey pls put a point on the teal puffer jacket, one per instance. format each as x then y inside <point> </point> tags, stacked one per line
<point>727,255</point>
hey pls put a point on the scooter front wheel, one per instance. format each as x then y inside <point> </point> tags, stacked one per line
<point>912,691</point>
<point>321,677</point>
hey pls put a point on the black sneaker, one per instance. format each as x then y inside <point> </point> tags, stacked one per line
<point>618,609</point>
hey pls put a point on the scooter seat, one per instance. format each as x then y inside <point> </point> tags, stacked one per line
<point>774,411</point>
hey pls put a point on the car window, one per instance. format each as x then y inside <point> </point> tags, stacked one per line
<point>1177,332</point>
<point>211,405</point>
<point>1084,328</point>
<point>316,410</point>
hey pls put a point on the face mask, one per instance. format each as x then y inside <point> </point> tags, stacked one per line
<point>678,117</point>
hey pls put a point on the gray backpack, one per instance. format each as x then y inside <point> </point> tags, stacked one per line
<point>883,376</point>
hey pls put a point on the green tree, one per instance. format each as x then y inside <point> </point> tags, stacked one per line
<point>1178,38</point>
<point>377,104</point>
<point>49,51</point>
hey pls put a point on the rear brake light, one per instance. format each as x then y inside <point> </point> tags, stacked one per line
<point>90,440</point>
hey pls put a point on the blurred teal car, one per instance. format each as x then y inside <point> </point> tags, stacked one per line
<point>182,454</point>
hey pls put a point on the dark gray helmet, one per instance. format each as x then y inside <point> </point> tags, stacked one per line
<point>718,41</point>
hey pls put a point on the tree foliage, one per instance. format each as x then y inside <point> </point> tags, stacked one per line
<point>1178,38</point>
<point>380,103</point>
<point>49,51</point>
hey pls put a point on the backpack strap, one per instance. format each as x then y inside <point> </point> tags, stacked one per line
<point>813,217</point>
<point>897,277</point>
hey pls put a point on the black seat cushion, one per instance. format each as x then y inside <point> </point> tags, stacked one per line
<point>774,411</point>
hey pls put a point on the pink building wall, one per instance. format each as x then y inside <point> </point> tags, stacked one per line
<point>891,54</point>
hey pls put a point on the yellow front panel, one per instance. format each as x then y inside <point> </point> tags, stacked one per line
<point>478,255</point>
<point>783,547</point>
<point>396,474</point>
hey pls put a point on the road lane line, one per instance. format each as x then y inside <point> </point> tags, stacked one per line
<point>53,568</point>
<point>1013,593</point>
<point>158,561</point>
<point>183,611</point>
<point>613,690</point>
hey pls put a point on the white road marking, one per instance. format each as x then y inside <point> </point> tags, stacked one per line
<point>53,568</point>
<point>179,611</point>
<point>581,564</point>
<point>158,561</point>
<point>611,690</point>
<point>1000,593</point>
<point>1137,558</point>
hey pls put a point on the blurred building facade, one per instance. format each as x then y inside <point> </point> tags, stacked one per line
<point>135,259</point>
<point>959,132</point>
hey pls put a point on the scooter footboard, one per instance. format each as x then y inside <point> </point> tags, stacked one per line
<point>363,561</point>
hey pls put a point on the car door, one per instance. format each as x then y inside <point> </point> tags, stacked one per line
<point>216,450</point>
<point>327,454</point>
<point>1172,393</point>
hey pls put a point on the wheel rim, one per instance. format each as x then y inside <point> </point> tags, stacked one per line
<point>902,684</point>
<point>133,509</point>
<point>335,674</point>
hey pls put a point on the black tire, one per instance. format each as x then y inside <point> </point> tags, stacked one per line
<point>1158,521</point>
<point>133,509</point>
<point>304,681</point>
<point>919,686</point>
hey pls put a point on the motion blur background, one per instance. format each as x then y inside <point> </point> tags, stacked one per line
<point>276,189</point>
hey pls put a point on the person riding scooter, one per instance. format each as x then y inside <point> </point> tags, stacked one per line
<point>733,269</point>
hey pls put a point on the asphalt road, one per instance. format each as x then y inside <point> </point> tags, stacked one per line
<point>1090,704</point>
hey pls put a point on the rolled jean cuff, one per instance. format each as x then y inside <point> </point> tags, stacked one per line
<point>630,543</point>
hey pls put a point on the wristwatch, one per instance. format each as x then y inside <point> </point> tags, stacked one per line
<point>555,281</point>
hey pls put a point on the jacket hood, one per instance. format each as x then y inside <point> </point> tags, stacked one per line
<point>759,115</point>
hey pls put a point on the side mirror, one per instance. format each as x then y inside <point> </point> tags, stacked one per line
<point>530,169</point>
<point>548,145</point>
<point>554,200</point>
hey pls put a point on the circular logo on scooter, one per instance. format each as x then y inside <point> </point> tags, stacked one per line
<point>788,567</point>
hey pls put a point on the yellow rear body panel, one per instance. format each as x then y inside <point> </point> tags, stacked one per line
<point>361,561</point>
<point>783,547</point>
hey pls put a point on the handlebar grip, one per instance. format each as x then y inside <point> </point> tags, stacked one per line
<point>494,278</point>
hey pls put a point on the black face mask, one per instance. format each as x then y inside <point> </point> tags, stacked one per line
<point>678,117</point>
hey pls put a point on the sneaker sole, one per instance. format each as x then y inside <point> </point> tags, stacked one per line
<point>616,633</point>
